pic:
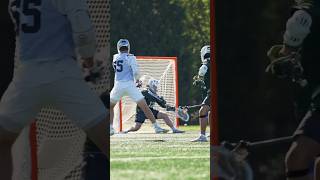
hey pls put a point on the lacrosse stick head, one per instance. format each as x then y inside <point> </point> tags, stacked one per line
<point>226,165</point>
<point>183,114</point>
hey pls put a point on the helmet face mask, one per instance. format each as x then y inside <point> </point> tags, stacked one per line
<point>205,54</point>
<point>123,45</point>
<point>153,85</point>
<point>206,58</point>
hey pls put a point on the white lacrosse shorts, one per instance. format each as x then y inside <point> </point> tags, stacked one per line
<point>125,88</point>
<point>57,84</point>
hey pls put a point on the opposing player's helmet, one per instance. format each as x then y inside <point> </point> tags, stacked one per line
<point>123,43</point>
<point>153,85</point>
<point>205,54</point>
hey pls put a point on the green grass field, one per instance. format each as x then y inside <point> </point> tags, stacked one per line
<point>149,156</point>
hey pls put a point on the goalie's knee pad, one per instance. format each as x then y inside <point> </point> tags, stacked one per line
<point>297,173</point>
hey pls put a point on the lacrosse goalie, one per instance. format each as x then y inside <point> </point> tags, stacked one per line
<point>202,80</point>
<point>298,60</point>
<point>126,75</point>
<point>151,97</point>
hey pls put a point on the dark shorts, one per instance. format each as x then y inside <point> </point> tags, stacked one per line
<point>310,126</point>
<point>141,117</point>
<point>207,100</point>
<point>105,98</point>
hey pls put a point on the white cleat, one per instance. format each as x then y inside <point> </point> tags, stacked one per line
<point>124,132</point>
<point>112,131</point>
<point>160,130</point>
<point>177,131</point>
<point>201,138</point>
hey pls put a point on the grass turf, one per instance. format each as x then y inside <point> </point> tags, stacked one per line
<point>149,156</point>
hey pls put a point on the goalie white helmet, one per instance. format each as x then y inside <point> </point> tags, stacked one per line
<point>205,54</point>
<point>153,85</point>
<point>123,43</point>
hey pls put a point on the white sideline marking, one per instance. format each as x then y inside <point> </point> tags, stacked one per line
<point>157,158</point>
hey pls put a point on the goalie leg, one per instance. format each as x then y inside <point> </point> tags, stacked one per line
<point>168,122</point>
<point>136,127</point>
<point>134,93</point>
<point>148,113</point>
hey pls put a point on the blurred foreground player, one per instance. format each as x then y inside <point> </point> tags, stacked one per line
<point>48,33</point>
<point>298,60</point>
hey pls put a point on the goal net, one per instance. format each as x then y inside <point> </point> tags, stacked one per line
<point>163,69</point>
<point>52,147</point>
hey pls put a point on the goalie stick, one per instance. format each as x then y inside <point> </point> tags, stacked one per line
<point>192,106</point>
<point>181,113</point>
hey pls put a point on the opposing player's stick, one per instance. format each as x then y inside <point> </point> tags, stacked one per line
<point>259,144</point>
<point>229,158</point>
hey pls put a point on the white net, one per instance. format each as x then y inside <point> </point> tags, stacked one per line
<point>54,144</point>
<point>163,69</point>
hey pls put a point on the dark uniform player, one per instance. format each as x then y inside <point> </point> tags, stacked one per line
<point>203,80</point>
<point>301,42</point>
<point>151,97</point>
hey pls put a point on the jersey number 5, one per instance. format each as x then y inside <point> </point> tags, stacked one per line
<point>28,11</point>
<point>117,65</point>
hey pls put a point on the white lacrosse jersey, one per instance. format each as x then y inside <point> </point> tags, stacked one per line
<point>124,65</point>
<point>42,32</point>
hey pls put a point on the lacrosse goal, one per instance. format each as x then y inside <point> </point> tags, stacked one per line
<point>165,70</point>
<point>52,147</point>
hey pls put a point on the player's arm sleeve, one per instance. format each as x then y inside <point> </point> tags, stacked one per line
<point>203,70</point>
<point>135,68</point>
<point>84,35</point>
<point>162,103</point>
<point>297,28</point>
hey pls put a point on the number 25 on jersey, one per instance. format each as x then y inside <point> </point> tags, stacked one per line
<point>118,65</point>
<point>28,10</point>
